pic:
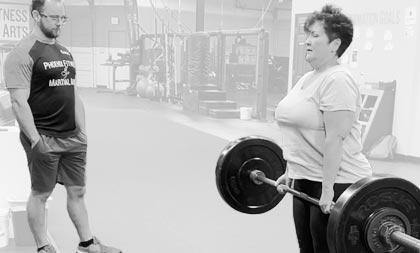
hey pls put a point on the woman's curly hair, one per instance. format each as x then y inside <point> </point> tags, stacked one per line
<point>336,25</point>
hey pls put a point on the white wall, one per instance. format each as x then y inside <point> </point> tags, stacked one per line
<point>91,70</point>
<point>372,20</point>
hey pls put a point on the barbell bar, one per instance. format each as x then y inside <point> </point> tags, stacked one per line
<point>389,232</point>
<point>376,214</point>
<point>259,177</point>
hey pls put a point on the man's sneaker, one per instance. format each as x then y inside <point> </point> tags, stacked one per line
<point>47,249</point>
<point>97,247</point>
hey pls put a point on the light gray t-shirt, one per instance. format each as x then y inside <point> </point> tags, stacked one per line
<point>299,117</point>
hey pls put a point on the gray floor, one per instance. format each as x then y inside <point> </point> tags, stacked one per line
<point>151,184</point>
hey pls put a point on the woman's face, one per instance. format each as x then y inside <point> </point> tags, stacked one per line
<point>318,48</point>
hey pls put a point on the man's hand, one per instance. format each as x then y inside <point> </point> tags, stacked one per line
<point>35,140</point>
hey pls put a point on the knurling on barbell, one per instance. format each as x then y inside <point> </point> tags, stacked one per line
<point>376,214</point>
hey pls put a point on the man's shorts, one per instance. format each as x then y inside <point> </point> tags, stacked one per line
<point>56,160</point>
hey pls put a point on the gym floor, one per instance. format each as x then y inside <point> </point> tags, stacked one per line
<point>151,183</point>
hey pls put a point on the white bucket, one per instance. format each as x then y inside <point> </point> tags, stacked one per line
<point>4,227</point>
<point>17,204</point>
<point>245,113</point>
<point>21,231</point>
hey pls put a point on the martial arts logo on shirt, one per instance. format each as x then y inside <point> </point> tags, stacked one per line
<point>64,81</point>
<point>65,72</point>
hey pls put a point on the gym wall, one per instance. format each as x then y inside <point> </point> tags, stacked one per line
<point>109,38</point>
<point>385,48</point>
<point>226,15</point>
<point>92,39</point>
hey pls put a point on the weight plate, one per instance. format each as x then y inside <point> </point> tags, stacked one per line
<point>377,226</point>
<point>233,169</point>
<point>345,232</point>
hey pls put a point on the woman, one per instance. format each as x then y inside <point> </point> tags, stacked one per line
<point>321,136</point>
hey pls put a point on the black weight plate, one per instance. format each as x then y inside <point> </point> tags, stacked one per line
<point>360,201</point>
<point>379,222</point>
<point>233,181</point>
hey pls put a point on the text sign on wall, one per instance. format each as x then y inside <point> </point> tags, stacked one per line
<point>14,21</point>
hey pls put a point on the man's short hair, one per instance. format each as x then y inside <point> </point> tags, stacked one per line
<point>37,5</point>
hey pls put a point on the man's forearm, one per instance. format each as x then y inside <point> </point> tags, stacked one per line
<point>26,121</point>
<point>80,115</point>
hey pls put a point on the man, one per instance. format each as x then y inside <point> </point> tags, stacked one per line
<point>40,76</point>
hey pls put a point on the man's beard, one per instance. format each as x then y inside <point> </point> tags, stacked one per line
<point>48,33</point>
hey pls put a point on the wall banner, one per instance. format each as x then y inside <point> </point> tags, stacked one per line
<point>14,22</point>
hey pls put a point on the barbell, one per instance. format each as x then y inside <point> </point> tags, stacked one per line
<point>376,214</point>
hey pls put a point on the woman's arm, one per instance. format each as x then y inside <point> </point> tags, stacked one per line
<point>337,127</point>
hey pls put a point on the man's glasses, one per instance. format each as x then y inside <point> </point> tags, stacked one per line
<point>55,18</point>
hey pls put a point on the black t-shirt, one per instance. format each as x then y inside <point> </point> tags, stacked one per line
<point>48,70</point>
